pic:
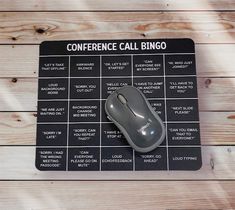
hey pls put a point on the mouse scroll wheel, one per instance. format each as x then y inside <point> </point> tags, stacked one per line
<point>122,98</point>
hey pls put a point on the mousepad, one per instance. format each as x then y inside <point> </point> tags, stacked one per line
<point>76,77</point>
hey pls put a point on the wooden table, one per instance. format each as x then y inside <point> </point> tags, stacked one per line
<point>23,25</point>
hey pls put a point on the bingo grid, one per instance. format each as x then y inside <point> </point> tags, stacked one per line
<point>73,132</point>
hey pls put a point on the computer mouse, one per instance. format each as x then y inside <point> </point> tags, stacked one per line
<point>130,111</point>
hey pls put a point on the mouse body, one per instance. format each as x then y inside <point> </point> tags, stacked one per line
<point>130,111</point>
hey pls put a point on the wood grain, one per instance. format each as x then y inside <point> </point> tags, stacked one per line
<point>212,91</point>
<point>210,21</point>
<point>18,163</point>
<point>17,124</point>
<point>142,195</point>
<point>21,94</point>
<point>202,27</point>
<point>14,63</point>
<point>101,5</point>
<point>214,60</point>
<point>217,128</point>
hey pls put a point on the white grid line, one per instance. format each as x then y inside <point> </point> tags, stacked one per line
<point>165,96</point>
<point>101,99</point>
<point>106,122</point>
<point>67,154</point>
<point>132,83</point>
<point>119,146</point>
<point>119,77</point>
<point>76,55</point>
<point>100,107</point>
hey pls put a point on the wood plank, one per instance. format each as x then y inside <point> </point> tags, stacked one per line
<point>202,27</point>
<point>217,128</point>
<point>213,91</point>
<point>81,5</point>
<point>21,94</point>
<point>18,163</point>
<point>18,94</point>
<point>19,60</point>
<point>22,60</point>
<point>144,195</point>
<point>17,124</point>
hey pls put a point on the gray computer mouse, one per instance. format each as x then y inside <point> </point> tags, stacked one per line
<point>130,111</point>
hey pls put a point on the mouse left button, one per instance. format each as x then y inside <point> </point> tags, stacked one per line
<point>121,98</point>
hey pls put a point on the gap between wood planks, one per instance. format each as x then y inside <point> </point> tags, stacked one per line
<point>215,94</point>
<point>210,61</point>
<point>108,25</point>
<point>127,195</point>
<point>217,128</point>
<point>20,165</point>
<point>112,5</point>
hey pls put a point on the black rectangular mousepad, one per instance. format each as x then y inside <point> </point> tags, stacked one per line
<point>76,77</point>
